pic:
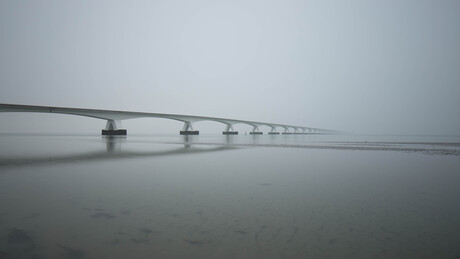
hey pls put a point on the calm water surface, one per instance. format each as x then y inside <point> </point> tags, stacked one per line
<point>291,196</point>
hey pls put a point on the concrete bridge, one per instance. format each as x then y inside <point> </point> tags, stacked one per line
<point>114,119</point>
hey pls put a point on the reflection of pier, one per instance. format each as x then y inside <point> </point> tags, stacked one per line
<point>113,143</point>
<point>114,146</point>
<point>114,118</point>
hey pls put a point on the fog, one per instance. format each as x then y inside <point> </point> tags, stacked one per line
<point>358,66</point>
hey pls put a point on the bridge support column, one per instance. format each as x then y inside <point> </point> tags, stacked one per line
<point>188,129</point>
<point>273,131</point>
<point>229,130</point>
<point>112,128</point>
<point>299,131</point>
<point>255,131</point>
<point>286,131</point>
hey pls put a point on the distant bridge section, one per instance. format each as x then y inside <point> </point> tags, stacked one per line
<point>114,118</point>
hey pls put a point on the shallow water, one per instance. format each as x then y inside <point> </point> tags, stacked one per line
<point>293,196</point>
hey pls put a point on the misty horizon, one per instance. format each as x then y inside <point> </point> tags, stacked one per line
<point>370,67</point>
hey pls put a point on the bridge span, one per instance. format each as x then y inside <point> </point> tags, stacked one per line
<point>114,118</point>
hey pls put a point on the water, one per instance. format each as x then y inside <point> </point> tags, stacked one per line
<point>292,196</point>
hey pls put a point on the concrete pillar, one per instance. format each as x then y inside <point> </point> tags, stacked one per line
<point>229,130</point>
<point>273,131</point>
<point>286,131</point>
<point>255,131</point>
<point>113,127</point>
<point>188,129</point>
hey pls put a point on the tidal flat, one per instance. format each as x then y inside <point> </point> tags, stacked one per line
<point>229,197</point>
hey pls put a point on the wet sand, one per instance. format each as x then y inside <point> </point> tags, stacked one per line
<point>253,200</point>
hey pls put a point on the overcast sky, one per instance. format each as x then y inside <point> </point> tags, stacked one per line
<point>365,66</point>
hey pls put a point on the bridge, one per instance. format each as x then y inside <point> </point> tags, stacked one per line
<point>114,118</point>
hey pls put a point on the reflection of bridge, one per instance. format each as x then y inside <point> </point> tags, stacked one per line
<point>114,119</point>
<point>114,151</point>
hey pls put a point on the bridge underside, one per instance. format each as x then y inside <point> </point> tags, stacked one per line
<point>114,118</point>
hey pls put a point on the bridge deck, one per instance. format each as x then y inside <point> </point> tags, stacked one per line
<point>113,116</point>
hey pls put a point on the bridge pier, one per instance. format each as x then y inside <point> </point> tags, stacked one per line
<point>112,128</point>
<point>255,131</point>
<point>273,131</point>
<point>286,131</point>
<point>189,132</point>
<point>229,130</point>
<point>188,129</point>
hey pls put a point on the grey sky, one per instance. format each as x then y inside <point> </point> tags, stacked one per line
<point>360,66</point>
